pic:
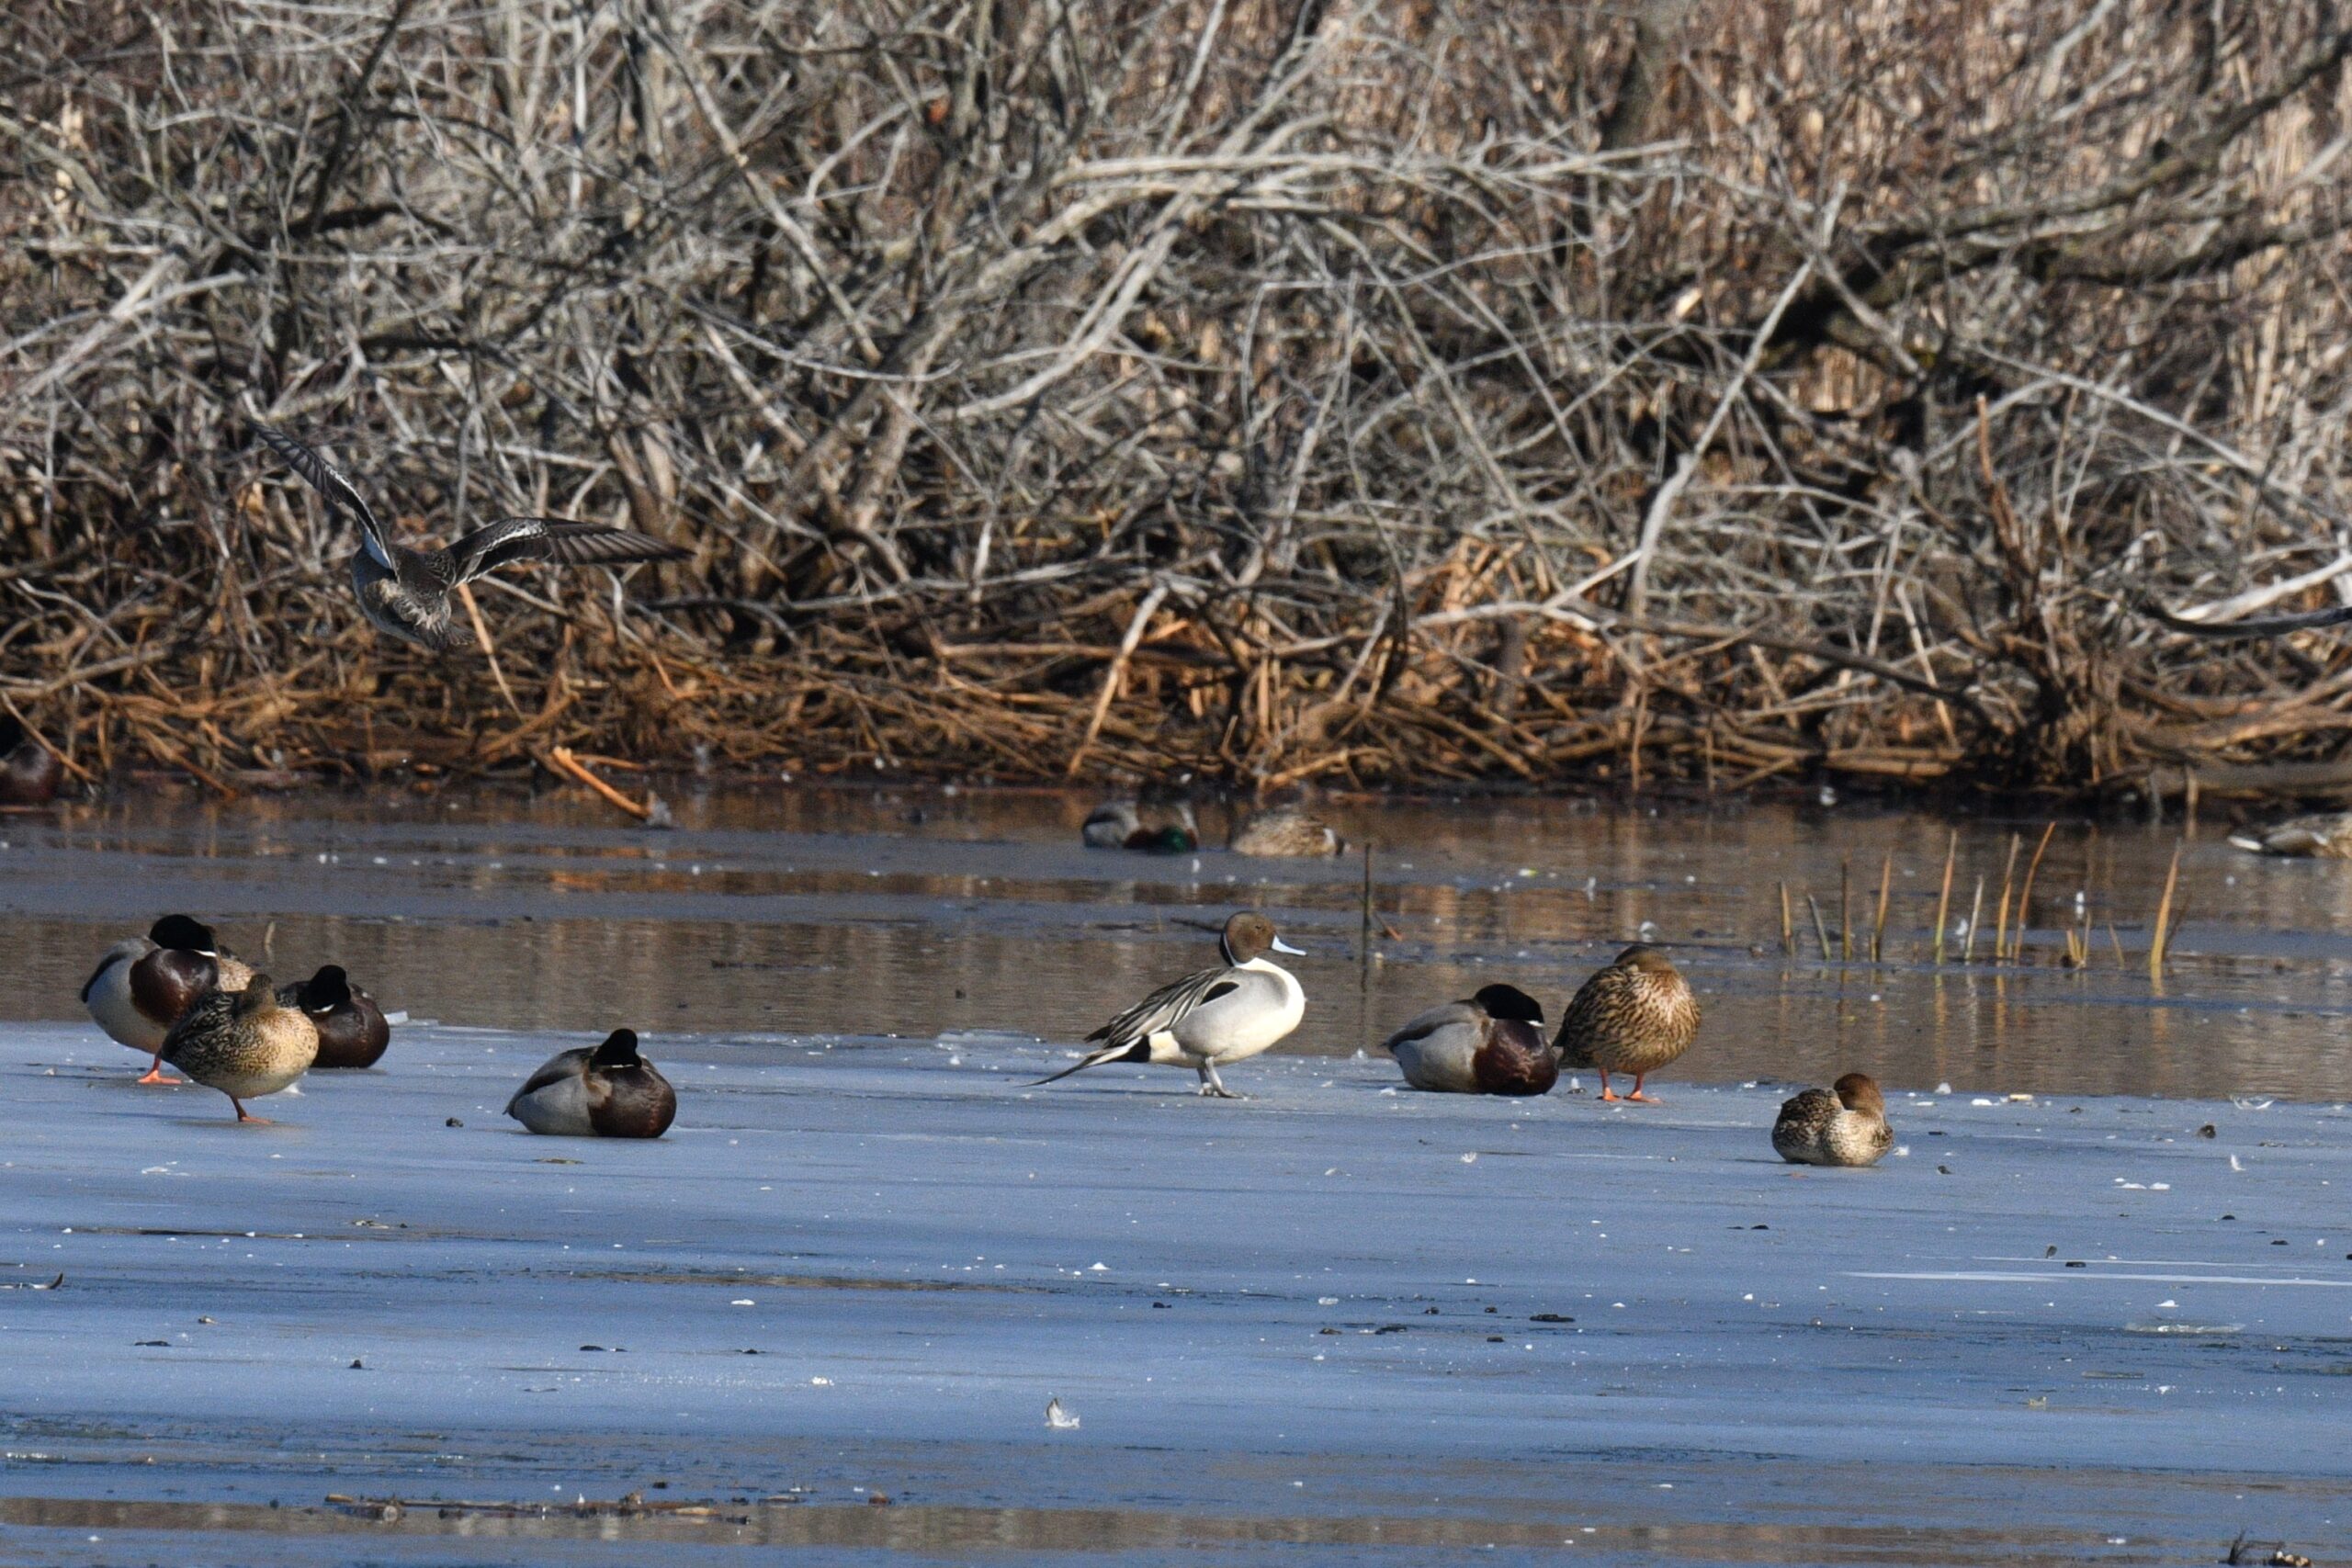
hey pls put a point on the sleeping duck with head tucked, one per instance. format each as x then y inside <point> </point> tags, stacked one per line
<point>246,1043</point>
<point>1491,1044</point>
<point>1844,1124</point>
<point>609,1092</point>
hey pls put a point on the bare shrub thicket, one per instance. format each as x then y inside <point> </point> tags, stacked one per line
<point>1292,389</point>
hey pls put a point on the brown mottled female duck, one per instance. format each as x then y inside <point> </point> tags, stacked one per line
<point>1634,1017</point>
<point>246,1043</point>
<point>1844,1125</point>
<point>1286,830</point>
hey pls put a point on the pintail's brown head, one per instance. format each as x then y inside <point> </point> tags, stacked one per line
<point>1249,935</point>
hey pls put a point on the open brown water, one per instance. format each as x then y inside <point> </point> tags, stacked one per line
<point>921,912</point>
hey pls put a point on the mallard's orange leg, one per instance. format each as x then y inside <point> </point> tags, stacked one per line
<point>246,1115</point>
<point>1637,1094</point>
<point>154,1073</point>
<point>1605,1093</point>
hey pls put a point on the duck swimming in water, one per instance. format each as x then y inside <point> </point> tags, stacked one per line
<point>609,1092</point>
<point>1842,1125</point>
<point>1287,830</point>
<point>144,985</point>
<point>1634,1017</point>
<point>353,1031</point>
<point>411,593</point>
<point>246,1043</point>
<point>1492,1043</point>
<point>2324,836</point>
<point>1241,1008</point>
<point>1159,820</point>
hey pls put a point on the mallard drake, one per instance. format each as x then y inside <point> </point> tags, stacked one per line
<point>246,1043</point>
<point>1158,821</point>
<point>144,985</point>
<point>1492,1043</point>
<point>1634,1017</point>
<point>1842,1125</point>
<point>352,1029</point>
<point>411,593</point>
<point>609,1092</point>
<point>2324,836</point>
<point>1228,1014</point>
<point>30,772</point>
<point>1286,830</point>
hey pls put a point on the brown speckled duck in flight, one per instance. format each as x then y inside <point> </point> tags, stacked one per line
<point>410,593</point>
<point>1634,1017</point>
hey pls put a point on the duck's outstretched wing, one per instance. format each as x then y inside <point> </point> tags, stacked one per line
<point>339,491</point>
<point>1166,1006</point>
<point>556,539</point>
<point>2230,631</point>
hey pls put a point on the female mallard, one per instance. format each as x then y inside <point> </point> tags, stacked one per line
<point>1286,830</point>
<point>1845,1125</point>
<point>1493,1043</point>
<point>1634,1017</point>
<point>246,1043</point>
<point>2327,836</point>
<point>144,983</point>
<point>1159,820</point>
<point>28,771</point>
<point>353,1031</point>
<point>1230,1013</point>
<point>609,1092</point>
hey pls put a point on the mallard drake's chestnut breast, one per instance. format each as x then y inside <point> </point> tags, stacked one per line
<point>353,1031</point>
<point>143,986</point>
<point>1490,1043</point>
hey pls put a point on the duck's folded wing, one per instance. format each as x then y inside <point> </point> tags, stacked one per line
<point>555,1069</point>
<point>1421,1027</point>
<point>1165,1006</point>
<point>556,539</point>
<point>339,491</point>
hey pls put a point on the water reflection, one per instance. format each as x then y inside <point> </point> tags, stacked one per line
<point>917,912</point>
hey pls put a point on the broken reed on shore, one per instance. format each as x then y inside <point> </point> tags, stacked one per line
<point>2008,942</point>
<point>1260,388</point>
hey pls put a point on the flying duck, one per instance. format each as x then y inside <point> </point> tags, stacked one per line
<point>144,983</point>
<point>1222,1015</point>
<point>609,1092</point>
<point>352,1029</point>
<point>1492,1043</point>
<point>410,593</point>
<point>1286,830</point>
<point>28,770</point>
<point>1634,1017</point>
<point>1844,1125</point>
<point>246,1043</point>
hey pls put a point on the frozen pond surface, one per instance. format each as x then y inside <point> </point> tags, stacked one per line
<point>1328,1325</point>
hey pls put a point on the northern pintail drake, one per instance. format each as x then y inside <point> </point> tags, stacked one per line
<point>1213,1018</point>
<point>1634,1017</point>
<point>1492,1043</point>
<point>1286,830</point>
<point>144,985</point>
<point>411,594</point>
<point>352,1029</point>
<point>246,1043</point>
<point>609,1092</point>
<point>2326,836</point>
<point>1844,1125</point>
<point>30,772</point>
<point>1157,821</point>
